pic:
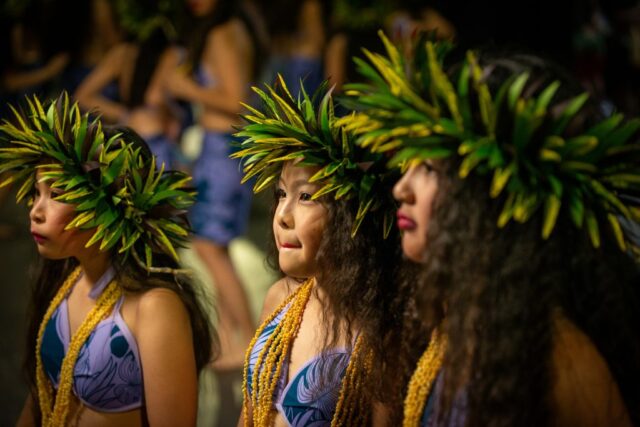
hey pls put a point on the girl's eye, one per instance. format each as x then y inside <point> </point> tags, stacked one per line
<point>428,165</point>
<point>305,196</point>
<point>280,194</point>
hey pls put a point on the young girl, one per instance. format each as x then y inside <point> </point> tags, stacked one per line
<point>116,335</point>
<point>138,68</point>
<point>314,360</point>
<point>221,56</point>
<point>532,321</point>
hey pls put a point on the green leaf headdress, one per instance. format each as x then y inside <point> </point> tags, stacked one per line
<point>114,185</point>
<point>416,111</point>
<point>288,129</point>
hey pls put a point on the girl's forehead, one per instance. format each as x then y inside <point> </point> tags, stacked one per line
<point>293,171</point>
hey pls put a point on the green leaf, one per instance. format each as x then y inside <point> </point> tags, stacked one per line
<point>501,178</point>
<point>551,210</point>
<point>569,113</point>
<point>592,228</point>
<point>545,97</point>
<point>115,168</point>
<point>576,208</point>
<point>516,88</point>
<point>326,189</point>
<point>617,231</point>
<point>326,171</point>
<point>80,133</point>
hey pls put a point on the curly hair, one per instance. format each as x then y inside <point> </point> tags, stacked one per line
<point>501,288</point>
<point>363,295</point>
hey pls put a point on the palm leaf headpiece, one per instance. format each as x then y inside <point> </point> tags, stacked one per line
<point>115,187</point>
<point>415,110</point>
<point>305,130</point>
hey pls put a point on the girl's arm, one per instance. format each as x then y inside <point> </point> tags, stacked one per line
<point>168,361</point>
<point>16,81</point>
<point>89,94</point>
<point>335,60</point>
<point>26,416</point>
<point>227,50</point>
<point>312,27</point>
<point>584,393</point>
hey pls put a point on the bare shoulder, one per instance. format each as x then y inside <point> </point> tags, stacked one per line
<point>231,33</point>
<point>160,307</point>
<point>276,294</point>
<point>584,390</point>
<point>159,300</point>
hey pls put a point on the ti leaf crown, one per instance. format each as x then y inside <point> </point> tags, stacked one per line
<point>308,131</point>
<point>116,189</point>
<point>414,110</point>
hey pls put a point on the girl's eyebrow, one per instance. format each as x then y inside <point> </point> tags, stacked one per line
<point>297,183</point>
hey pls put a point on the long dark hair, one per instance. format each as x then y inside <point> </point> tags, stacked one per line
<point>360,278</point>
<point>49,276</point>
<point>149,52</point>
<point>360,283</point>
<point>502,288</point>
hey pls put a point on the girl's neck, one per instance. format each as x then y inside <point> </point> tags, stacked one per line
<point>94,265</point>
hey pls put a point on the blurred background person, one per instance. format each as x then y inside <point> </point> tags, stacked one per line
<point>138,69</point>
<point>215,77</point>
<point>297,34</point>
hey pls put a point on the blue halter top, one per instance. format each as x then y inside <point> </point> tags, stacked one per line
<point>311,396</point>
<point>107,376</point>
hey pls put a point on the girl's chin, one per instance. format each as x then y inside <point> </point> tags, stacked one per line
<point>50,255</point>
<point>414,251</point>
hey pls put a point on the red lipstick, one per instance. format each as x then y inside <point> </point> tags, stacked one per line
<point>404,222</point>
<point>289,246</point>
<point>38,238</point>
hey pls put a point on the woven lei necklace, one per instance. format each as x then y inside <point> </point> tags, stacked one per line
<point>55,412</point>
<point>423,378</point>
<point>351,407</point>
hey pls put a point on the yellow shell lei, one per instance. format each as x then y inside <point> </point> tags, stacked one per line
<point>54,414</point>
<point>271,359</point>
<point>423,378</point>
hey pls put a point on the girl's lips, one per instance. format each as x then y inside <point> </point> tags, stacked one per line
<point>38,238</point>
<point>289,246</point>
<point>404,222</point>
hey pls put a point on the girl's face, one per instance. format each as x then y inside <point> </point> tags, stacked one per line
<point>298,222</point>
<point>201,7</point>
<point>48,220</point>
<point>416,192</point>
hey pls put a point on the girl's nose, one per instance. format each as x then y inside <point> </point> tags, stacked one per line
<point>36,214</point>
<point>402,190</point>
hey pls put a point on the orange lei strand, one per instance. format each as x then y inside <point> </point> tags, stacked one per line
<point>351,402</point>
<point>423,378</point>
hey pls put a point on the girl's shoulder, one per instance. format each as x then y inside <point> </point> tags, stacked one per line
<point>154,306</point>
<point>584,391</point>
<point>231,33</point>
<point>276,294</point>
